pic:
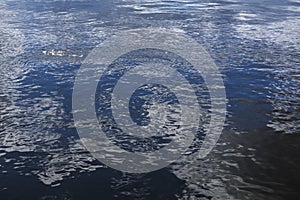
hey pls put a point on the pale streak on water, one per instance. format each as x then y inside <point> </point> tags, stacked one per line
<point>256,46</point>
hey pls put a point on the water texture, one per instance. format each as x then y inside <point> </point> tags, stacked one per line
<point>255,44</point>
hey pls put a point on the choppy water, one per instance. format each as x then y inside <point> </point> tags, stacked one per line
<point>255,44</point>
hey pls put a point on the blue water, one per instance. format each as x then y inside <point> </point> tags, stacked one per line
<point>256,46</point>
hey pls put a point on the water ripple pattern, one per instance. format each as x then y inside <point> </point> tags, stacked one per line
<point>255,45</point>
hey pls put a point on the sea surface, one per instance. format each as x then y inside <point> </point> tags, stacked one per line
<point>256,46</point>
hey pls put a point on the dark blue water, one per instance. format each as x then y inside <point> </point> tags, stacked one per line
<point>256,46</point>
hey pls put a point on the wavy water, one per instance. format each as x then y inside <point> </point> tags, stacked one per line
<point>256,47</point>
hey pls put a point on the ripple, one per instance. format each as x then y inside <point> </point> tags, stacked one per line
<point>256,46</point>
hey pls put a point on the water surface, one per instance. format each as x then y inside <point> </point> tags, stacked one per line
<point>256,46</point>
